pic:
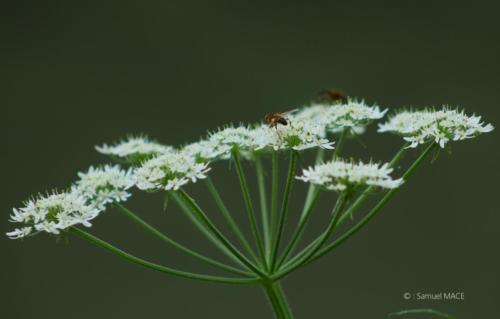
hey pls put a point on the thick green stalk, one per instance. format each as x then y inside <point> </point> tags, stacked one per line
<point>274,302</point>
<point>179,273</point>
<point>323,251</point>
<point>311,189</point>
<point>261,181</point>
<point>278,300</point>
<point>203,217</point>
<point>299,230</point>
<point>250,210</point>
<point>284,207</point>
<point>199,224</point>
<point>229,218</point>
<point>180,247</point>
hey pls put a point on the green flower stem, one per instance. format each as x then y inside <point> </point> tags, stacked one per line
<point>203,217</point>
<point>340,143</point>
<point>312,188</point>
<point>199,224</point>
<point>261,181</point>
<point>229,218</point>
<point>274,198</point>
<point>250,209</point>
<point>278,300</point>
<point>180,247</point>
<point>299,230</point>
<point>284,207</point>
<point>359,201</point>
<point>275,305</point>
<point>318,244</point>
<point>399,155</point>
<point>323,251</point>
<point>103,244</point>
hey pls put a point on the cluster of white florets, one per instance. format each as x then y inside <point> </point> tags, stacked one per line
<point>339,175</point>
<point>104,185</point>
<point>335,118</point>
<point>169,171</point>
<point>297,135</point>
<point>134,149</point>
<point>52,214</point>
<point>442,126</point>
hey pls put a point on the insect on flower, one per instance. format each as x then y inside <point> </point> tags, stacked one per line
<point>275,118</point>
<point>333,95</point>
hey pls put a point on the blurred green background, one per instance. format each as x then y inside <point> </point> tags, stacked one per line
<point>79,73</point>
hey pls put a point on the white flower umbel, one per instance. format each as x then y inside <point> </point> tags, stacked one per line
<point>52,214</point>
<point>442,126</point>
<point>339,175</point>
<point>104,185</point>
<point>238,138</point>
<point>354,115</point>
<point>203,150</point>
<point>134,149</point>
<point>169,171</point>
<point>297,135</point>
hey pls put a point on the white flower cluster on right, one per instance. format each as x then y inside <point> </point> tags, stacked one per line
<point>442,126</point>
<point>339,175</point>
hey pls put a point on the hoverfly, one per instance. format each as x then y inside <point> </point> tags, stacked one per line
<point>333,95</point>
<point>275,118</point>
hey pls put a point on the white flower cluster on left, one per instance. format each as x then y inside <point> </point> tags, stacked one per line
<point>87,198</point>
<point>52,213</point>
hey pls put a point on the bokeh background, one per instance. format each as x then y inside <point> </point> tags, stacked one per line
<point>79,73</point>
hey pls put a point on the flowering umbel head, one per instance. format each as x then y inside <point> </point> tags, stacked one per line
<point>442,126</point>
<point>104,185</point>
<point>134,149</point>
<point>339,175</point>
<point>353,115</point>
<point>296,135</point>
<point>52,214</point>
<point>169,171</point>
